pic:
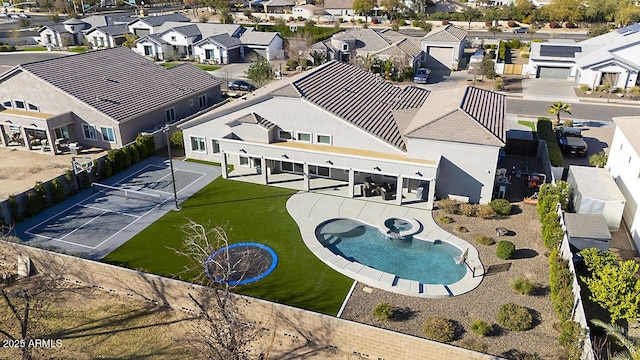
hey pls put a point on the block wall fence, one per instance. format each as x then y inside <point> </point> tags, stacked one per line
<point>304,326</point>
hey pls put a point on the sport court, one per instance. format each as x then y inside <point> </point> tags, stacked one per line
<point>107,215</point>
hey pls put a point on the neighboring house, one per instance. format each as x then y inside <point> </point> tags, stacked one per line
<point>107,36</point>
<point>624,166</point>
<point>70,99</point>
<point>444,49</point>
<point>343,125</point>
<point>203,40</point>
<point>151,24</point>
<point>609,58</point>
<point>307,11</point>
<point>447,6</point>
<point>69,33</point>
<point>384,44</point>
<point>339,8</point>
<point>278,6</point>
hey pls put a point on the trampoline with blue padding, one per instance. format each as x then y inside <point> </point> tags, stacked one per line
<point>249,261</point>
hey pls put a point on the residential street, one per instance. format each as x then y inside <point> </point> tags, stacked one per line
<point>579,111</point>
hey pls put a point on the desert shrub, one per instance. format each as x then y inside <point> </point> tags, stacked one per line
<point>572,338</point>
<point>584,87</point>
<point>522,285</point>
<point>501,206</point>
<point>567,122</point>
<point>402,22</point>
<point>561,284</point>
<point>135,153</point>
<point>299,18</point>
<point>449,206</point>
<point>359,21</point>
<point>552,232</point>
<point>126,157</point>
<point>570,25</point>
<point>512,23</point>
<point>467,210</point>
<point>374,21</point>
<point>505,249</point>
<point>481,328</point>
<point>486,212</point>
<point>146,145</point>
<point>439,329</point>
<point>498,82</point>
<point>485,240</point>
<point>515,317</point>
<point>444,219</point>
<point>107,168</point>
<point>474,344</point>
<point>41,192</point>
<point>340,20</point>
<point>383,311</point>
<point>309,23</point>
<point>13,208</point>
<point>247,13</point>
<point>553,25</point>
<point>177,140</point>
<point>35,204</point>
<point>292,64</point>
<point>461,229</point>
<point>445,22</point>
<point>57,191</point>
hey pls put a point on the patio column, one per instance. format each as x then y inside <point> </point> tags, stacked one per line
<point>263,167</point>
<point>50,137</point>
<point>223,164</point>
<point>352,177</point>
<point>3,134</point>
<point>432,193</point>
<point>25,138</point>
<point>305,173</point>
<point>399,190</point>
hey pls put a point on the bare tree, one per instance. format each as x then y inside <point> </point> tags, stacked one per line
<point>220,332</point>
<point>297,47</point>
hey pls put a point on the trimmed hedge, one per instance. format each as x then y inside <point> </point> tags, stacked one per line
<point>439,329</point>
<point>505,249</point>
<point>515,317</point>
<point>544,128</point>
<point>560,283</point>
<point>501,206</point>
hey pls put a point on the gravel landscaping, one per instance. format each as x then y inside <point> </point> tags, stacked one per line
<point>530,260</point>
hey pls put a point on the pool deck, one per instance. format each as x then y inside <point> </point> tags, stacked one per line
<point>311,209</point>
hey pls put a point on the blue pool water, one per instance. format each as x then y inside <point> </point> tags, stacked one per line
<point>408,258</point>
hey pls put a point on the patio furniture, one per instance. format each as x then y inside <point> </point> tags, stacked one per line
<point>368,190</point>
<point>386,194</point>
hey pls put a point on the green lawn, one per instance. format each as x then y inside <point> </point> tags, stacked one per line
<point>254,213</point>
<point>33,48</point>
<point>531,125</point>
<point>204,67</point>
<point>78,49</point>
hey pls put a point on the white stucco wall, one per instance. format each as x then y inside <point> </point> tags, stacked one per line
<point>624,166</point>
<point>460,173</point>
<point>55,39</point>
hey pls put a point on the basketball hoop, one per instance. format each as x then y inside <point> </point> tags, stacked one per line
<point>82,163</point>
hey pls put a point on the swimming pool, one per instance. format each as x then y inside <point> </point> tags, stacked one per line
<point>407,258</point>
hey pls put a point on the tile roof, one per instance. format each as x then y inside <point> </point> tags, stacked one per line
<point>154,38</point>
<point>477,116</point>
<point>186,30</point>
<point>279,3</point>
<point>223,40</point>
<point>287,91</point>
<point>449,33</point>
<point>252,118</point>
<point>630,128</point>
<point>590,226</point>
<point>113,30</point>
<point>258,37</point>
<point>124,85</point>
<point>361,98</point>
<point>59,28</point>
<point>338,4</point>
<point>206,29</point>
<point>367,40</point>
<point>158,20</point>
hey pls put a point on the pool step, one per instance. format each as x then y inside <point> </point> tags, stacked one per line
<point>411,287</point>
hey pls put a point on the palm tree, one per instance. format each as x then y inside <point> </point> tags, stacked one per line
<point>318,57</point>
<point>598,160</point>
<point>615,331</point>
<point>558,107</point>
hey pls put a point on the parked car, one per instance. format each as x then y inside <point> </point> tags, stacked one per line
<point>15,16</point>
<point>25,16</point>
<point>421,76</point>
<point>521,30</point>
<point>240,85</point>
<point>571,141</point>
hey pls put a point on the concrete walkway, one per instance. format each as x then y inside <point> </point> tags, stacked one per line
<point>309,210</point>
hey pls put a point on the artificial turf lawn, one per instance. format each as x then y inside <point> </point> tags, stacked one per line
<point>250,212</point>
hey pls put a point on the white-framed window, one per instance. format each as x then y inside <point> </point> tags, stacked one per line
<point>285,135</point>
<point>33,107</point>
<point>19,104</point>
<point>148,50</point>
<point>345,47</point>
<point>108,134</point>
<point>7,104</point>
<point>319,171</point>
<point>203,101</point>
<point>198,145</point>
<point>89,132</point>
<point>215,146</point>
<point>244,161</point>
<point>304,137</point>
<point>323,139</point>
<point>170,114</point>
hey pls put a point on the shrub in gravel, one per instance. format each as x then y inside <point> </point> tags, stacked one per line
<point>515,317</point>
<point>486,212</point>
<point>474,344</point>
<point>485,240</point>
<point>505,249</point>
<point>449,206</point>
<point>383,311</point>
<point>501,206</point>
<point>522,285</point>
<point>444,219</point>
<point>460,229</point>
<point>467,210</point>
<point>481,328</point>
<point>439,329</point>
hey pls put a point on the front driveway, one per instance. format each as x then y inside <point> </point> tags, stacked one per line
<point>549,89</point>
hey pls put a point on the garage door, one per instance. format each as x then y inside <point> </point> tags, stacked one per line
<point>439,58</point>
<point>547,72</point>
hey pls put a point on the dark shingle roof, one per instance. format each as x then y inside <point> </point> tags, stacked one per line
<point>360,97</point>
<point>113,30</point>
<point>161,19</point>
<point>154,38</point>
<point>187,30</point>
<point>223,39</point>
<point>59,28</point>
<point>449,33</point>
<point>124,85</point>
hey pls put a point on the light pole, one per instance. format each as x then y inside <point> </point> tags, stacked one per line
<point>173,177</point>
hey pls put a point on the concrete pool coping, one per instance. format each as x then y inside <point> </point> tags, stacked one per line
<point>310,210</point>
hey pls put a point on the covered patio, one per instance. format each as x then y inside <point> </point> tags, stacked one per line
<point>31,130</point>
